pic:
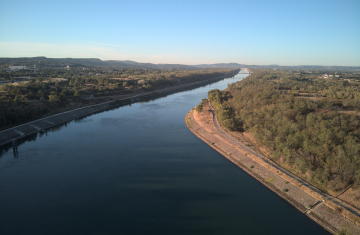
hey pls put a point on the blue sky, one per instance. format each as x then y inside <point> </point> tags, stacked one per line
<point>186,32</point>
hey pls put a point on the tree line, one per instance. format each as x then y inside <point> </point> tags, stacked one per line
<point>293,116</point>
<point>43,96</point>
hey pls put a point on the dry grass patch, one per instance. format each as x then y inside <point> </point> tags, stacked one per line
<point>352,197</point>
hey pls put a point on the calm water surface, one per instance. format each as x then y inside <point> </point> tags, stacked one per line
<point>137,170</point>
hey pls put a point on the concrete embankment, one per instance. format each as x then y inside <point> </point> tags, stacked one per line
<point>204,126</point>
<point>43,124</point>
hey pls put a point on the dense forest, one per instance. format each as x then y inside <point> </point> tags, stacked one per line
<point>308,124</point>
<point>54,90</point>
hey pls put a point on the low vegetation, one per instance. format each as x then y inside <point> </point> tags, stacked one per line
<point>343,232</point>
<point>269,180</point>
<point>200,106</point>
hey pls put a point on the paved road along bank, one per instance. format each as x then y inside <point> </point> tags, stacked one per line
<point>33,127</point>
<point>314,207</point>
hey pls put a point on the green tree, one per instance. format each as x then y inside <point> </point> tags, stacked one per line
<point>76,93</point>
<point>54,98</point>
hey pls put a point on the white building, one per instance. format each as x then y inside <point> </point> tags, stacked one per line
<point>17,67</point>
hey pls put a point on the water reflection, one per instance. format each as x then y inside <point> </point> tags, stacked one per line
<point>115,105</point>
<point>15,152</point>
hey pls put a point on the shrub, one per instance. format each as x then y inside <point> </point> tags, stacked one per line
<point>339,209</point>
<point>343,232</point>
<point>269,180</point>
<point>199,108</point>
<point>54,98</point>
<point>285,190</point>
<point>251,166</point>
<point>141,82</point>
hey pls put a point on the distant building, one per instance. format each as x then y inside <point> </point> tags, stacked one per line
<point>326,76</point>
<point>13,68</point>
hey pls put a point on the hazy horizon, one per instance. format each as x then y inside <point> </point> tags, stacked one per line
<point>180,63</point>
<point>259,32</point>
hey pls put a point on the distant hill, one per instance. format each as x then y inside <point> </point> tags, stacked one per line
<point>95,62</point>
<point>132,64</point>
<point>221,65</point>
<point>30,61</point>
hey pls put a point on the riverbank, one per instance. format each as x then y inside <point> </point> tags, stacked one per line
<point>42,97</point>
<point>42,124</point>
<point>326,211</point>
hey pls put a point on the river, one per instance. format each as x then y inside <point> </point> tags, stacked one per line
<point>137,170</point>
